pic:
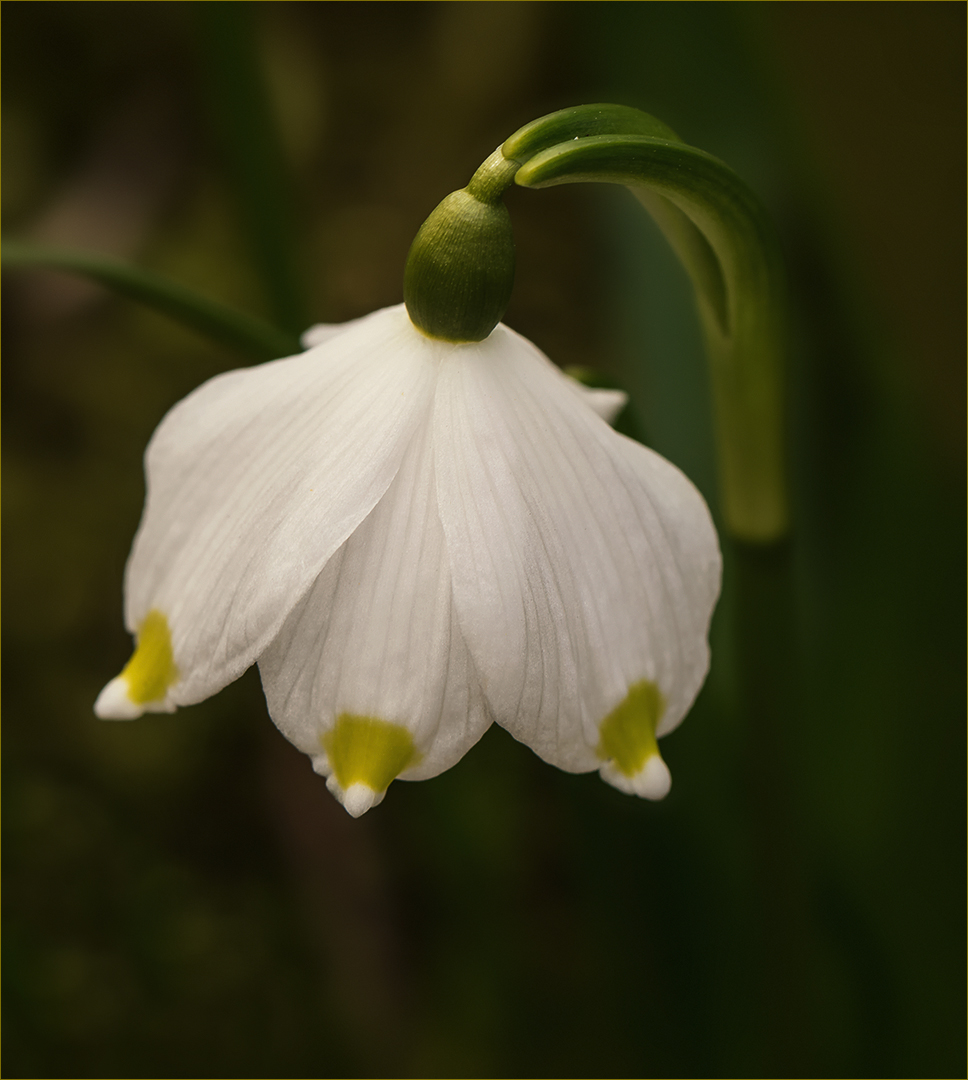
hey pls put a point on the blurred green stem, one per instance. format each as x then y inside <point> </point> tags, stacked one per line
<point>767,680</point>
<point>223,324</point>
<point>244,121</point>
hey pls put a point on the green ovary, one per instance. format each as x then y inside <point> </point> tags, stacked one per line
<point>366,750</point>
<point>152,669</point>
<point>627,734</point>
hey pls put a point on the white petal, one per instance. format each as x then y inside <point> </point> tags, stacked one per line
<point>584,564</point>
<point>357,798</point>
<point>114,702</point>
<point>257,478</point>
<point>376,637</point>
<point>606,403</point>
<point>323,332</point>
<point>653,781</point>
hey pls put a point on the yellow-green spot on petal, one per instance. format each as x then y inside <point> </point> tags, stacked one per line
<point>152,669</point>
<point>367,750</point>
<point>627,734</point>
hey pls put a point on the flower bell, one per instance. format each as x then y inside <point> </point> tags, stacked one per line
<point>419,526</point>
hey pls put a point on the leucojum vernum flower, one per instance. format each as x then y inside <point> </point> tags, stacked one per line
<point>417,527</point>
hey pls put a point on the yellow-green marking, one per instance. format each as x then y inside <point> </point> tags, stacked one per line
<point>151,670</point>
<point>367,750</point>
<point>627,734</point>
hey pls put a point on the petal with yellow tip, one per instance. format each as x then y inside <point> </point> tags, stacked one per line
<point>628,747</point>
<point>374,649</point>
<point>583,563</point>
<point>257,478</point>
<point>147,677</point>
<point>365,755</point>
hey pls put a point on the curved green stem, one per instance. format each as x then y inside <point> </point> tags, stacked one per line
<point>582,122</point>
<point>727,244</point>
<point>223,324</point>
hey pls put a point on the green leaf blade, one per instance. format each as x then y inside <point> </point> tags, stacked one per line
<point>234,329</point>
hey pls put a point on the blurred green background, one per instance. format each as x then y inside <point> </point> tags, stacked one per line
<point>182,897</point>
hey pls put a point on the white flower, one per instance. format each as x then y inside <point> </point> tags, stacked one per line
<point>414,538</point>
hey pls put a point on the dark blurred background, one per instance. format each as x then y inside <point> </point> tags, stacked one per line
<point>182,897</point>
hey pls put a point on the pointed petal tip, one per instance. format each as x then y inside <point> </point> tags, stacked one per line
<point>357,798</point>
<point>113,702</point>
<point>653,781</point>
<point>319,333</point>
<point>607,403</point>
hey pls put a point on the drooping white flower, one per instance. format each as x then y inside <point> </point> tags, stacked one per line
<point>414,538</point>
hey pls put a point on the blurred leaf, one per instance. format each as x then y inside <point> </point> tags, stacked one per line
<point>252,146</point>
<point>223,324</point>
